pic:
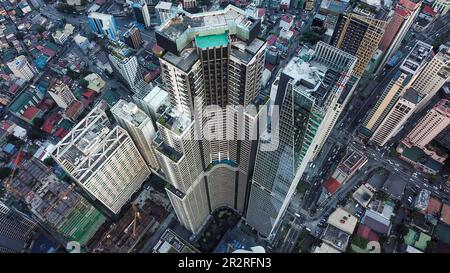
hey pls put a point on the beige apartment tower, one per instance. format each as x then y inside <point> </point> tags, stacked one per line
<point>433,123</point>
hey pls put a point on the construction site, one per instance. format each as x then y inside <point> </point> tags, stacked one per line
<point>138,223</point>
<point>54,202</point>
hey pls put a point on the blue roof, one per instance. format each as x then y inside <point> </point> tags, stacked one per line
<point>9,148</point>
<point>433,164</point>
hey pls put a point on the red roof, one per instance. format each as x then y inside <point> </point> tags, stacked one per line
<point>332,185</point>
<point>287,19</point>
<point>30,113</point>
<point>429,10</point>
<point>50,122</point>
<point>88,93</point>
<point>156,49</point>
<point>269,66</point>
<point>261,12</point>
<point>73,109</point>
<point>366,233</point>
<point>13,88</point>
<point>409,4</point>
<point>100,2</point>
<point>434,206</point>
<point>402,12</point>
<point>18,158</point>
<point>60,133</point>
<point>271,39</point>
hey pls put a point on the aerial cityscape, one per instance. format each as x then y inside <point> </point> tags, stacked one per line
<point>224,126</point>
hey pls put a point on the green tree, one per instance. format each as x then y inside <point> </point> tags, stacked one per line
<point>49,161</point>
<point>4,172</point>
<point>40,29</point>
<point>84,83</point>
<point>34,134</point>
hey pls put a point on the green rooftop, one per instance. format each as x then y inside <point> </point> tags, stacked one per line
<point>410,238</point>
<point>413,153</point>
<point>422,241</point>
<point>82,223</point>
<point>211,40</point>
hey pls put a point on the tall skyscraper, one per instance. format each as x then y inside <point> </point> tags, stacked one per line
<point>133,38</point>
<point>103,24</point>
<point>431,125</point>
<point>212,59</point>
<point>141,12</point>
<point>61,94</point>
<point>140,128</point>
<point>102,160</point>
<point>125,64</point>
<point>311,92</point>
<point>401,20</point>
<point>16,230</point>
<point>433,76</point>
<point>398,101</point>
<point>359,33</point>
<point>21,68</point>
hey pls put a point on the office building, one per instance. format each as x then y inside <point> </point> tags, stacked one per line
<point>409,70</point>
<point>431,125</point>
<point>140,128</point>
<point>102,160</point>
<point>22,69</point>
<point>125,64</point>
<point>141,13</point>
<point>211,58</point>
<point>61,94</point>
<point>103,24</point>
<point>400,22</point>
<point>359,33</point>
<point>133,38</point>
<point>311,92</point>
<point>16,230</point>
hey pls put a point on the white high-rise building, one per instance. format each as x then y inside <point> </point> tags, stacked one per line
<point>140,128</point>
<point>126,64</point>
<point>22,69</point>
<point>61,94</point>
<point>102,160</point>
<point>433,76</point>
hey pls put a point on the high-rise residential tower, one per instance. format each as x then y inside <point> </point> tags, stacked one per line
<point>433,76</point>
<point>141,13</point>
<point>125,64</point>
<point>102,160</point>
<point>398,101</point>
<point>61,94</point>
<point>133,37</point>
<point>21,68</point>
<point>431,125</point>
<point>212,60</point>
<point>140,128</point>
<point>359,33</point>
<point>103,24</point>
<point>310,92</point>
